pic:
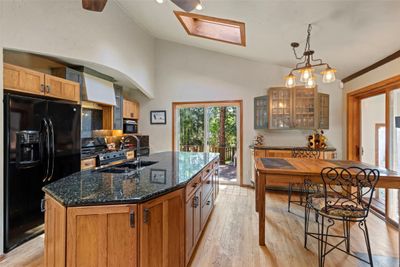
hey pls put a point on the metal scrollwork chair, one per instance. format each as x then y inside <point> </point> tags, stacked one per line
<point>346,197</point>
<point>306,153</point>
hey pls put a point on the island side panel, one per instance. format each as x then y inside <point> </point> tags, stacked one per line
<point>162,231</point>
<point>55,233</point>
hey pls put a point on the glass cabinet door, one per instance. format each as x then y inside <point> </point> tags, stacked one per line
<point>323,111</point>
<point>280,108</point>
<point>261,112</point>
<point>304,109</point>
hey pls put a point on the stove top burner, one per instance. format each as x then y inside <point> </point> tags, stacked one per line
<point>109,157</point>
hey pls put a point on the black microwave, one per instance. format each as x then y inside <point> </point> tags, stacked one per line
<point>130,127</point>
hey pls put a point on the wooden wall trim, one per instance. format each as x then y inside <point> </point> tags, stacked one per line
<point>237,103</point>
<point>372,67</point>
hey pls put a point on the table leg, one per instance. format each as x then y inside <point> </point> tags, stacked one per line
<point>261,209</point>
<point>256,190</point>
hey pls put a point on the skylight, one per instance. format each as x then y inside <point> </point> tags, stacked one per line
<point>224,30</point>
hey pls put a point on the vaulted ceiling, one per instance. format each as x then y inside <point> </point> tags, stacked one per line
<point>350,35</point>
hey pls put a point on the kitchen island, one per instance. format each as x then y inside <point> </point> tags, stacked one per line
<point>122,217</point>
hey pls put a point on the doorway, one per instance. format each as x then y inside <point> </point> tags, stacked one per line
<point>211,127</point>
<point>373,136</point>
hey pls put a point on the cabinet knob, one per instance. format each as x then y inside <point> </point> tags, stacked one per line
<point>132,115</point>
<point>42,88</point>
<point>48,88</point>
<point>194,185</point>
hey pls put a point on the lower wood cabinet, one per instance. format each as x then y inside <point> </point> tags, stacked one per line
<point>102,236</point>
<point>162,232</point>
<point>162,236</point>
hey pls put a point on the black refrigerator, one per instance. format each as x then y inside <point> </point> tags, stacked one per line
<point>41,144</point>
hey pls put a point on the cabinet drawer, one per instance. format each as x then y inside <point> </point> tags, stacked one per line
<point>207,187</point>
<point>192,186</point>
<point>207,171</point>
<point>87,164</point>
<point>206,209</point>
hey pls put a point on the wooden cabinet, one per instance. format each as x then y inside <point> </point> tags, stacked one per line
<point>162,235</point>
<point>23,80</point>
<point>28,81</point>
<point>261,112</point>
<point>323,111</point>
<point>87,164</point>
<point>102,236</point>
<point>193,223</point>
<point>60,88</point>
<point>201,193</point>
<point>298,108</point>
<point>130,109</point>
<point>55,221</point>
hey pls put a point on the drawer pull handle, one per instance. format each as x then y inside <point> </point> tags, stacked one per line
<point>194,185</point>
<point>132,219</point>
<point>208,182</point>
<point>208,202</point>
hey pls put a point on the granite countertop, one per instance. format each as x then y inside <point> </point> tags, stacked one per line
<point>284,147</point>
<point>172,171</point>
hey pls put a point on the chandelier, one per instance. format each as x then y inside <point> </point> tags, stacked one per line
<point>306,67</point>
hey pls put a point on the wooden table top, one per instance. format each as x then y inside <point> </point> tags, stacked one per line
<point>313,167</point>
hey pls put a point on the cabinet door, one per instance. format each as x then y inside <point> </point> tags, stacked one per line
<point>304,107</point>
<point>55,220</point>
<point>102,236</point>
<point>61,88</point>
<point>323,111</point>
<point>261,112</point>
<point>118,108</point>
<point>280,103</point>
<point>189,237</point>
<point>23,80</point>
<point>162,231</point>
<point>135,110</point>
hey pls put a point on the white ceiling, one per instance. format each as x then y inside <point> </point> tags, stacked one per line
<point>349,35</point>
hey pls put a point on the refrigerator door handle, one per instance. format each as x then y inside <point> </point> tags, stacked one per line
<point>46,129</point>
<point>52,148</point>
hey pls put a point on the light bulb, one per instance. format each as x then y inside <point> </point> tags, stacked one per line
<point>305,74</point>
<point>290,81</point>
<point>311,82</point>
<point>328,75</point>
<point>160,1</point>
<point>199,7</point>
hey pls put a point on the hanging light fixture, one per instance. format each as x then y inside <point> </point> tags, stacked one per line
<point>307,65</point>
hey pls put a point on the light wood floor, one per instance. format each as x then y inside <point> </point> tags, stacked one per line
<point>231,240</point>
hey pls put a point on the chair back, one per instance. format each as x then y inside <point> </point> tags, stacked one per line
<point>305,152</point>
<point>352,187</point>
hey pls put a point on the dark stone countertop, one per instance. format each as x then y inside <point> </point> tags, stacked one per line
<point>284,148</point>
<point>99,188</point>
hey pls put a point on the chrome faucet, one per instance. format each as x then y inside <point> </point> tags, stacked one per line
<point>122,146</point>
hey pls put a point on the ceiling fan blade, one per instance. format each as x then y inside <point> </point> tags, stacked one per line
<point>94,5</point>
<point>187,5</point>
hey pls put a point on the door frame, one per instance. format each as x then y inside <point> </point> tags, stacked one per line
<point>353,123</point>
<point>235,103</point>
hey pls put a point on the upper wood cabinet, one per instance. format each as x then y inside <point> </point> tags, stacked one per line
<point>130,109</point>
<point>29,81</point>
<point>295,108</point>
<point>162,231</point>
<point>23,80</point>
<point>60,88</point>
<point>102,236</point>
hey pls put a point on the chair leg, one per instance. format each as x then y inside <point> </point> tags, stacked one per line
<point>306,221</point>
<point>348,236</point>
<point>367,243</point>
<point>321,243</point>
<point>289,195</point>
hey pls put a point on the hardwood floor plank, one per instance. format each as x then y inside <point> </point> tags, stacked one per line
<point>231,237</point>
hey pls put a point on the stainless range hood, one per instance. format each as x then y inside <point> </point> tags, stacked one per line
<point>98,90</point>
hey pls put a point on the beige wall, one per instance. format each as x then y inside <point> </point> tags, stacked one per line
<point>185,73</point>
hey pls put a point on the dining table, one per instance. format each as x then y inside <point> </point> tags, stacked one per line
<point>297,170</point>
